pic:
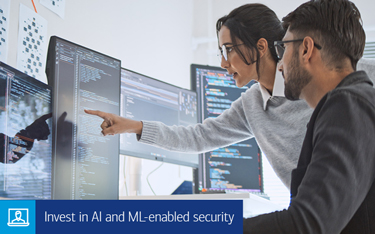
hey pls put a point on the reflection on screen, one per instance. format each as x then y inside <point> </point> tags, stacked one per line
<point>86,163</point>
<point>144,98</point>
<point>235,167</point>
<point>25,139</point>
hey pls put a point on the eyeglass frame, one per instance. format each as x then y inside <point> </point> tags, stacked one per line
<point>278,44</point>
<point>224,50</point>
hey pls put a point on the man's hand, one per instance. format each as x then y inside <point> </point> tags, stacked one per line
<point>38,129</point>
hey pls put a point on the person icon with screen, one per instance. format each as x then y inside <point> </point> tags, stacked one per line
<point>18,219</point>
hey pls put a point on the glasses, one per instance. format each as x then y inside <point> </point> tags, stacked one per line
<point>224,51</point>
<point>280,48</point>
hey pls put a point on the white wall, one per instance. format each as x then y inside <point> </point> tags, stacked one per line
<point>207,12</point>
<point>150,37</point>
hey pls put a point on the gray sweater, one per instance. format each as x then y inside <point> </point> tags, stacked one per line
<point>279,129</point>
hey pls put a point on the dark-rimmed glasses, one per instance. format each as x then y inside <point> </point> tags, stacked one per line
<point>224,51</point>
<point>280,48</point>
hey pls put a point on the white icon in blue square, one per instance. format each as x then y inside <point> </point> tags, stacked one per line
<point>18,217</point>
<point>8,209</point>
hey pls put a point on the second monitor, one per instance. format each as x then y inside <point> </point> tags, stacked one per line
<point>145,98</point>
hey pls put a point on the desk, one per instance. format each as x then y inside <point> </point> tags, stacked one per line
<point>253,205</point>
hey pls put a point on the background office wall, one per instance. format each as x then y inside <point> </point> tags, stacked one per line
<point>206,13</point>
<point>151,37</point>
<point>157,38</point>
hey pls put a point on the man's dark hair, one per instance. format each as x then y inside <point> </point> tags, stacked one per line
<point>336,25</point>
<point>249,23</point>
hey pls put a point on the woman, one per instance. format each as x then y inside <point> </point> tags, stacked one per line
<point>246,39</point>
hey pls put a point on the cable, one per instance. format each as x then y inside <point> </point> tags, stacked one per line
<point>150,174</point>
<point>124,170</point>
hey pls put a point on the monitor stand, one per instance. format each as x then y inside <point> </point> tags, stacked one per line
<point>133,175</point>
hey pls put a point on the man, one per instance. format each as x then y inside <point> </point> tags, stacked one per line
<point>332,189</point>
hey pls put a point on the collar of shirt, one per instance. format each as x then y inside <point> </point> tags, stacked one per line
<point>278,89</point>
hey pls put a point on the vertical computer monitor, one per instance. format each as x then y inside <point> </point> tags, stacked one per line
<point>145,98</point>
<point>25,136</point>
<point>86,164</point>
<point>232,168</point>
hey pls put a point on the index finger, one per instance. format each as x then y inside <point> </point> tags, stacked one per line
<point>97,113</point>
<point>45,117</point>
<point>62,118</point>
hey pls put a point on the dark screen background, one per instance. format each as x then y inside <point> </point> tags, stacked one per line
<point>236,167</point>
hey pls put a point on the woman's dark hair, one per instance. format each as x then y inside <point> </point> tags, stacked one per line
<point>336,25</point>
<point>249,23</point>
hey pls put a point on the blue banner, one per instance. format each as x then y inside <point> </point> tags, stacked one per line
<point>122,216</point>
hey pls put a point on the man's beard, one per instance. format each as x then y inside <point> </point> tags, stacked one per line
<point>298,78</point>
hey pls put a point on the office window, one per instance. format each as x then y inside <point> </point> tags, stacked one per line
<point>273,187</point>
<point>369,50</point>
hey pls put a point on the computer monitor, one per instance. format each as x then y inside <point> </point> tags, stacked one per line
<point>86,164</point>
<point>232,168</point>
<point>145,98</point>
<point>25,136</point>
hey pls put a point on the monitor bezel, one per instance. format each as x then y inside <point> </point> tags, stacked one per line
<point>50,67</point>
<point>50,72</point>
